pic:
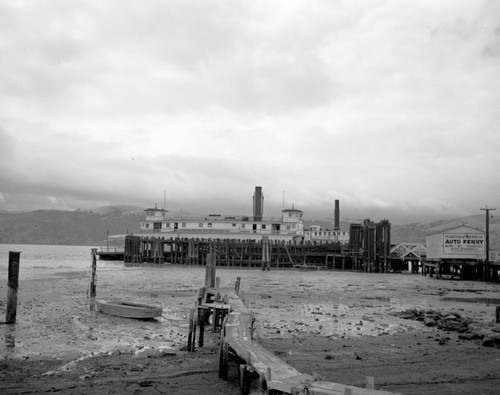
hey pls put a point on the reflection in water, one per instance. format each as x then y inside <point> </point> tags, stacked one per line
<point>10,338</point>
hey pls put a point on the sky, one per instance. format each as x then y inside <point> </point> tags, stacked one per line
<point>391,107</point>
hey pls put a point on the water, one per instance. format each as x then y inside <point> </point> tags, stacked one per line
<point>42,260</point>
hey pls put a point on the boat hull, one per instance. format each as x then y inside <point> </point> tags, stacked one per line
<point>124,309</point>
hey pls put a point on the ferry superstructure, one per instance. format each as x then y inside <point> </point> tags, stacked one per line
<point>287,227</point>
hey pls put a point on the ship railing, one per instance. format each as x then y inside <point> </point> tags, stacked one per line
<point>223,231</point>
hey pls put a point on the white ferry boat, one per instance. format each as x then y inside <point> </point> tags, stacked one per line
<point>158,222</point>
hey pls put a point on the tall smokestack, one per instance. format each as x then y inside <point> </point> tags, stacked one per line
<point>258,204</point>
<point>336,216</point>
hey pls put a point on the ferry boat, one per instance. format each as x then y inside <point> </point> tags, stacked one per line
<point>289,227</point>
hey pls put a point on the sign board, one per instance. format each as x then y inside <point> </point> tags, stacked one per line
<point>464,243</point>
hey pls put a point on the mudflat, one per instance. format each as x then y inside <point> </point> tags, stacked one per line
<point>413,334</point>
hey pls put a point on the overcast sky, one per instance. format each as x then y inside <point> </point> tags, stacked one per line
<point>392,107</point>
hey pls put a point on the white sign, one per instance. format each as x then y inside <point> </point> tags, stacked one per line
<point>464,243</point>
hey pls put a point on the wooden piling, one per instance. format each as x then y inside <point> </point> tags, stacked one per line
<point>93,279</point>
<point>223,359</point>
<point>92,287</point>
<point>210,271</point>
<point>244,380</point>
<point>191,332</point>
<point>12,287</point>
<point>217,290</point>
<point>202,331</point>
<point>237,286</point>
<point>497,319</point>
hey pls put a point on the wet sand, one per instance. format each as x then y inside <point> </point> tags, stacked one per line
<point>339,326</point>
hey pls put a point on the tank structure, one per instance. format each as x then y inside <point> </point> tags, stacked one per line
<point>371,243</point>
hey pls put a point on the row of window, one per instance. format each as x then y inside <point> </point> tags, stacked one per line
<point>157,225</point>
<point>330,233</point>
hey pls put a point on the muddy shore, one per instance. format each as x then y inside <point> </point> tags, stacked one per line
<point>413,334</point>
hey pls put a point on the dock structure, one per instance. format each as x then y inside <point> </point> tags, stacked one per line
<point>271,254</point>
<point>258,367</point>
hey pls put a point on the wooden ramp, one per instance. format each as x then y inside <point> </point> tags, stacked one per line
<point>274,375</point>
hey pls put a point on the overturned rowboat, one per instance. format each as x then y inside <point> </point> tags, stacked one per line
<point>124,309</point>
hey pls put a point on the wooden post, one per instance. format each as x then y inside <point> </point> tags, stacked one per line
<point>215,318</point>
<point>191,333</point>
<point>93,280</point>
<point>497,319</point>
<point>265,253</point>
<point>202,330</point>
<point>262,383</point>
<point>370,382</point>
<point>223,359</point>
<point>244,380</point>
<point>12,287</point>
<point>210,271</point>
<point>92,288</point>
<point>237,286</point>
<point>217,290</point>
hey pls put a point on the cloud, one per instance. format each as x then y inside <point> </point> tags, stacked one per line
<point>390,106</point>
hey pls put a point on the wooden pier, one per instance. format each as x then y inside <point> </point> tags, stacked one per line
<point>257,366</point>
<point>251,253</point>
<point>368,250</point>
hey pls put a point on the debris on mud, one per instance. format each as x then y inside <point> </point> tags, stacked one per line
<point>453,322</point>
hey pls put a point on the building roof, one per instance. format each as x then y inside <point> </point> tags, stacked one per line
<point>456,228</point>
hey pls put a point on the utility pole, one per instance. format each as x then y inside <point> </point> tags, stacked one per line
<point>486,275</point>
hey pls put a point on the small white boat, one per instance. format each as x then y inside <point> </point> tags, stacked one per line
<point>124,309</point>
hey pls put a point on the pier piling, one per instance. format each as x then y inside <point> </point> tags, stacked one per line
<point>12,285</point>
<point>93,279</point>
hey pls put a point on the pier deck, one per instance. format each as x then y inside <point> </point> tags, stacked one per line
<point>274,375</point>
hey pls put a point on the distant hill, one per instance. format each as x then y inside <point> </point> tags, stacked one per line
<point>70,227</point>
<point>91,227</point>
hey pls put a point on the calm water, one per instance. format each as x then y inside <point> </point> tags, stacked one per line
<point>37,259</point>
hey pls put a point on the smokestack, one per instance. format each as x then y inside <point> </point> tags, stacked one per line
<point>258,204</point>
<point>336,216</point>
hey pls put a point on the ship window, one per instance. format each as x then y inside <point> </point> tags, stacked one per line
<point>263,226</point>
<point>234,225</point>
<point>201,225</point>
<point>243,226</point>
<point>167,225</point>
<point>183,224</point>
<point>288,227</point>
<point>147,225</point>
<point>209,224</point>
